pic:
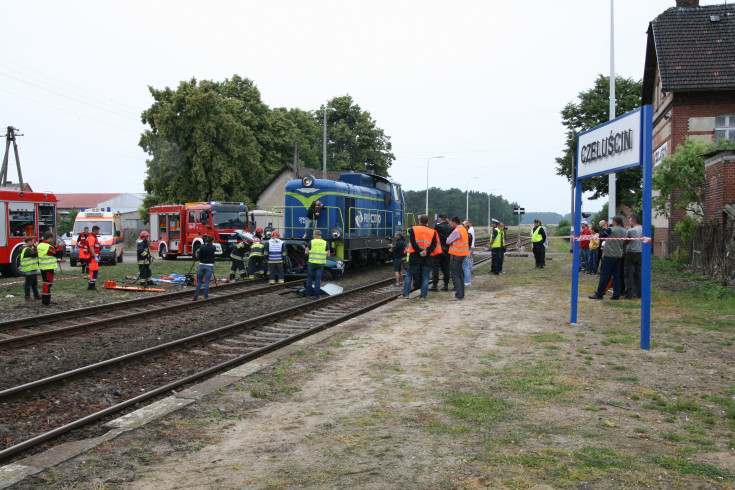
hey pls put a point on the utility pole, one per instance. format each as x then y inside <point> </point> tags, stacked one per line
<point>4,171</point>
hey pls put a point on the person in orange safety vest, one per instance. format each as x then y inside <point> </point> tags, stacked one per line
<point>459,248</point>
<point>93,249</point>
<point>422,243</point>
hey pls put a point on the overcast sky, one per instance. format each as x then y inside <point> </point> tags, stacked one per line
<point>480,83</point>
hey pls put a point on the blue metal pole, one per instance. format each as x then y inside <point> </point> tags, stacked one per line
<point>575,260</point>
<point>647,161</point>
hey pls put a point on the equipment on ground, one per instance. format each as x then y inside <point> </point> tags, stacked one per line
<point>113,285</point>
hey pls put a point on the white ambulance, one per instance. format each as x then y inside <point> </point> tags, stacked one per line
<point>111,236</point>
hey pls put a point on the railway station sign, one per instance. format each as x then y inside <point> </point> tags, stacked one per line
<point>610,147</point>
<point>622,143</point>
<point>519,210</point>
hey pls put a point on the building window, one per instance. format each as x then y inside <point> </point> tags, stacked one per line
<point>725,127</point>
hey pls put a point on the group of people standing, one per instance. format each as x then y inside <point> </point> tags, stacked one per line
<point>43,257</point>
<point>621,258</point>
<point>445,248</point>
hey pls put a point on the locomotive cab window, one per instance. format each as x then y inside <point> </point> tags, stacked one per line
<point>397,193</point>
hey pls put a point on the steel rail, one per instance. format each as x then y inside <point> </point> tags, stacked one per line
<point>314,305</point>
<point>173,304</point>
<point>102,308</point>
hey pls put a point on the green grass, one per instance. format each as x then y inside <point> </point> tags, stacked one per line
<point>478,409</point>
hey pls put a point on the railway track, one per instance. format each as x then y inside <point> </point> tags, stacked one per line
<point>30,330</point>
<point>45,409</point>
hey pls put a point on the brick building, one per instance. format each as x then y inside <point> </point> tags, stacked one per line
<point>689,79</point>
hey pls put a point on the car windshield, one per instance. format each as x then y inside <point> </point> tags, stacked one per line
<point>105,227</point>
<point>230,219</point>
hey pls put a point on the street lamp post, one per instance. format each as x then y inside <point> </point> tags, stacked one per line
<point>467,209</point>
<point>427,183</point>
<point>324,164</point>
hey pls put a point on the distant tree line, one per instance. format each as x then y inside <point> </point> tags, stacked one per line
<point>453,202</point>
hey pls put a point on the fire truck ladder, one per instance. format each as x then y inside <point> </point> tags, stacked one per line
<point>4,171</point>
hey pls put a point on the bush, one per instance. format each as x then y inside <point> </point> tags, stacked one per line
<point>564,228</point>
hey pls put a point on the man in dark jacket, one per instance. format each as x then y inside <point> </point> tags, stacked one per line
<point>144,260</point>
<point>206,266</point>
<point>312,215</point>
<point>441,261</point>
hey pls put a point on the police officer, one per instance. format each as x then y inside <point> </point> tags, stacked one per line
<point>29,266</point>
<point>47,253</point>
<point>275,253</point>
<point>538,240</point>
<point>496,244</point>
<point>440,259</point>
<point>237,256</point>
<point>255,259</point>
<point>93,249</point>
<point>144,260</point>
<point>318,251</point>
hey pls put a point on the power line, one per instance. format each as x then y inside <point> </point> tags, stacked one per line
<point>69,112</point>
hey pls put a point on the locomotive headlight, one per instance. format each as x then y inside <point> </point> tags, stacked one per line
<point>340,265</point>
<point>336,232</point>
<point>308,180</point>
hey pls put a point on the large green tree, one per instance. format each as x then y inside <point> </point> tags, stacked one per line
<point>593,109</point>
<point>203,144</point>
<point>354,141</point>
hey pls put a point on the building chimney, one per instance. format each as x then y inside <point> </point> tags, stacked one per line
<point>687,3</point>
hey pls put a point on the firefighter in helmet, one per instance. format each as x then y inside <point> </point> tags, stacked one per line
<point>93,249</point>
<point>144,260</point>
<point>259,233</point>
<point>255,259</point>
<point>237,256</point>
<point>275,253</point>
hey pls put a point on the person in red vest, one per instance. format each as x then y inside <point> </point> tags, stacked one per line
<point>459,248</point>
<point>93,249</point>
<point>82,244</point>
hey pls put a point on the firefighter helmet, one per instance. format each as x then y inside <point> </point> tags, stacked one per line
<point>259,230</point>
<point>144,234</point>
<point>275,234</point>
<point>256,240</point>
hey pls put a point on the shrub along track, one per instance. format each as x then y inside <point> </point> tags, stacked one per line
<point>36,412</point>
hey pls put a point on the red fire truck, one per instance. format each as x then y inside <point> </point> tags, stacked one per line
<point>23,214</point>
<point>177,229</point>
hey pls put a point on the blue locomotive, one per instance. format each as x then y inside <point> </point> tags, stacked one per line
<point>361,214</point>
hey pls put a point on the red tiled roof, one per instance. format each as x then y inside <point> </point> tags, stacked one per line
<point>68,201</point>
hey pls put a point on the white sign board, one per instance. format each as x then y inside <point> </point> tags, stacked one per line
<point>611,147</point>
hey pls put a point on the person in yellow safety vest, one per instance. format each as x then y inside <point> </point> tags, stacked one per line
<point>318,251</point>
<point>93,249</point>
<point>503,229</point>
<point>459,248</point>
<point>255,259</point>
<point>538,237</point>
<point>29,266</point>
<point>275,252</point>
<point>47,252</point>
<point>422,242</point>
<point>496,242</point>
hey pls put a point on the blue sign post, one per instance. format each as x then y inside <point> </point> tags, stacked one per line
<point>624,142</point>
